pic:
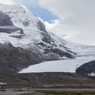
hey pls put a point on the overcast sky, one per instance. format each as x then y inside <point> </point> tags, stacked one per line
<point>74,20</point>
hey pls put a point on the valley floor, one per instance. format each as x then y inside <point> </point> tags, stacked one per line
<point>12,92</point>
<point>33,91</point>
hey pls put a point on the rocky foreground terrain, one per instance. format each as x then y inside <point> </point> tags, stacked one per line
<point>44,79</point>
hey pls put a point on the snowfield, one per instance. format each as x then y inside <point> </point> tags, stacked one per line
<point>57,66</point>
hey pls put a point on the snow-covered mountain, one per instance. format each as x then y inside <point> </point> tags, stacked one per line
<point>35,34</point>
<point>27,32</point>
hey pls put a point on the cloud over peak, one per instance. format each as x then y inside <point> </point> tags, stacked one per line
<point>76,19</point>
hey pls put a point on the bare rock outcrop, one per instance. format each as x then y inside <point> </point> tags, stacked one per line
<point>6,25</point>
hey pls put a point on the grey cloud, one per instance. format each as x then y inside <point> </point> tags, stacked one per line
<point>76,18</point>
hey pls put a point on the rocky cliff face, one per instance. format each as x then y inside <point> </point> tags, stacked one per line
<point>13,59</point>
<point>5,20</point>
<point>6,25</point>
<point>87,69</point>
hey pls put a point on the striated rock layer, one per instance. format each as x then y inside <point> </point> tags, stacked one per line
<point>6,25</point>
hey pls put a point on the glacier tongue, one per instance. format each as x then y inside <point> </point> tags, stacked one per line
<point>56,66</point>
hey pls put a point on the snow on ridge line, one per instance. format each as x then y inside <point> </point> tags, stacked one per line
<point>19,16</point>
<point>57,66</point>
<point>18,13</point>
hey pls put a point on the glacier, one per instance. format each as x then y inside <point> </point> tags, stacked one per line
<point>69,65</point>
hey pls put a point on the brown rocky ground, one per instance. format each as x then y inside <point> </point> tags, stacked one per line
<point>13,59</point>
<point>40,79</point>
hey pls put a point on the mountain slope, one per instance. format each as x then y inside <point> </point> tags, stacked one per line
<point>34,32</point>
<point>13,59</point>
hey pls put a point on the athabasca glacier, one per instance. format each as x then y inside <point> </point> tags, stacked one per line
<point>57,66</point>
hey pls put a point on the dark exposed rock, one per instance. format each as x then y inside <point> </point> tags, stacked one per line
<point>47,38</point>
<point>13,59</point>
<point>6,24</point>
<point>69,51</point>
<point>26,23</point>
<point>62,53</point>
<point>41,26</point>
<point>86,68</point>
<point>5,20</point>
<point>11,29</point>
<point>63,46</point>
<point>42,44</point>
<point>19,36</point>
<point>53,51</point>
<point>56,52</point>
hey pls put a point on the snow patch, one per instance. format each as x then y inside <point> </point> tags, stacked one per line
<point>91,74</point>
